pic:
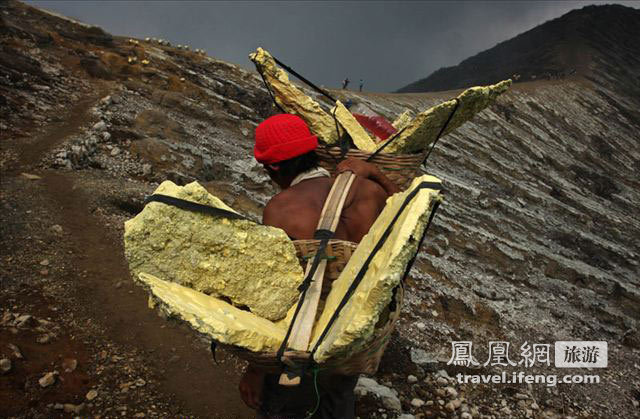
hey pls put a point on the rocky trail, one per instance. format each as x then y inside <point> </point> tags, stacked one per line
<point>100,306</point>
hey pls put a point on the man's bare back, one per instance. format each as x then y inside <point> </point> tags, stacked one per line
<point>297,209</point>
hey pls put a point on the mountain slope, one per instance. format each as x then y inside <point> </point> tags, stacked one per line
<point>591,38</point>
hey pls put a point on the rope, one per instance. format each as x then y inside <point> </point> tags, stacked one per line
<point>343,139</point>
<point>315,385</point>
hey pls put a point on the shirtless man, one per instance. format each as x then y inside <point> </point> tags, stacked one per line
<point>285,147</point>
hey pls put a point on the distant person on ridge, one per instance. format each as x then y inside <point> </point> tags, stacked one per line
<point>285,147</point>
<point>361,85</point>
<point>345,83</point>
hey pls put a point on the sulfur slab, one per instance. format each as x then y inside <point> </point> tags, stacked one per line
<point>292,99</point>
<point>213,317</point>
<point>403,119</point>
<point>357,320</point>
<point>424,128</point>
<point>360,138</point>
<point>250,264</point>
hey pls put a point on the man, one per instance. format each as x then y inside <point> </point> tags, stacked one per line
<point>285,146</point>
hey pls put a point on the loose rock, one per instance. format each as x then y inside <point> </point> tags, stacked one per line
<point>5,365</point>
<point>47,379</point>
<point>422,357</point>
<point>92,394</point>
<point>73,408</point>
<point>388,396</point>
<point>24,320</point>
<point>44,339</point>
<point>30,176</point>
<point>69,364</point>
<point>57,229</point>
<point>417,402</point>
<point>15,351</point>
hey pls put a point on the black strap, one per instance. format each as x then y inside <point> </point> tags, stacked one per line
<point>321,234</point>
<point>379,150</point>
<point>324,236</point>
<point>269,90</point>
<point>313,86</point>
<point>436,205</point>
<point>363,270</point>
<point>194,206</point>
<point>342,140</point>
<point>455,108</point>
<point>214,345</point>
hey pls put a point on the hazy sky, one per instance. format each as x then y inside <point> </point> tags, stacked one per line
<point>388,44</point>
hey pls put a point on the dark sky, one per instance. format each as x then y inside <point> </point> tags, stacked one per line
<point>388,44</point>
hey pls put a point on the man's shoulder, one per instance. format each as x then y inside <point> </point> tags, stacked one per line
<point>368,189</point>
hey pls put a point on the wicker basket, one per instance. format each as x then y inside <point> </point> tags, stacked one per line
<point>400,168</point>
<point>338,254</point>
<point>367,359</point>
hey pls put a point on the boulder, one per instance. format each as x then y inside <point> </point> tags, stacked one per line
<point>388,396</point>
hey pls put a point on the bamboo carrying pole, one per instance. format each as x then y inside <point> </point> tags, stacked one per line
<point>303,324</point>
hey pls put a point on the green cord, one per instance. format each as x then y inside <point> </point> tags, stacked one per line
<point>315,384</point>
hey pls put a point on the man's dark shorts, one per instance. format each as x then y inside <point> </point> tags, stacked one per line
<point>337,399</point>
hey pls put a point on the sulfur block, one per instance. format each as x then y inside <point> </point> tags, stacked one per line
<point>403,119</point>
<point>250,264</point>
<point>293,100</point>
<point>213,317</point>
<point>356,322</point>
<point>360,137</point>
<point>424,128</point>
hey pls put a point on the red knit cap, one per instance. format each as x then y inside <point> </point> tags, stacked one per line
<point>283,137</point>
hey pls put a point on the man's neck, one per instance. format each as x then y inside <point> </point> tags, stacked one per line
<point>314,172</point>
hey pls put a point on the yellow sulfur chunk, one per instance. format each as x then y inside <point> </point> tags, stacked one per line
<point>293,100</point>
<point>360,137</point>
<point>213,317</point>
<point>356,322</point>
<point>252,265</point>
<point>403,119</point>
<point>424,128</point>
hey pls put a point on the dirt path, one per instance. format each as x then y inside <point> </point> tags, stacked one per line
<point>104,293</point>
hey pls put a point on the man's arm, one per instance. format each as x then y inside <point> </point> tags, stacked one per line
<point>251,384</point>
<point>368,171</point>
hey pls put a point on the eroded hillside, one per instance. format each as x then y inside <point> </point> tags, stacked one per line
<point>537,240</point>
